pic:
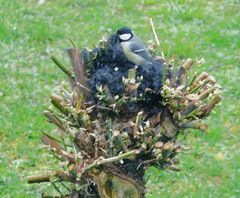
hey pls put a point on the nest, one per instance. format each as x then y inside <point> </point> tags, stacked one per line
<point>112,128</point>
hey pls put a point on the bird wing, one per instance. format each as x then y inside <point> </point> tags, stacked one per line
<point>140,49</point>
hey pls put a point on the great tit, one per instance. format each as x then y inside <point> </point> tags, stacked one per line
<point>134,50</point>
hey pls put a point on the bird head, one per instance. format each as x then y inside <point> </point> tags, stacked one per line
<point>125,34</point>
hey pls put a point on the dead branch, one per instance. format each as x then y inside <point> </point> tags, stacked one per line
<point>79,70</point>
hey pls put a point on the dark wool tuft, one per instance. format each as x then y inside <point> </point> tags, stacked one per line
<point>111,65</point>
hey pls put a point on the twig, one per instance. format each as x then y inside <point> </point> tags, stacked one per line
<point>57,140</point>
<point>154,32</point>
<point>174,168</point>
<point>131,84</point>
<point>146,162</point>
<point>62,67</point>
<point>206,110</point>
<point>57,148</point>
<point>108,93</point>
<point>187,64</point>
<point>53,119</point>
<point>190,108</point>
<point>200,77</point>
<point>56,101</point>
<point>72,42</point>
<point>82,86</point>
<point>195,125</point>
<point>110,139</point>
<point>100,162</point>
<point>103,108</point>
<point>206,93</point>
<point>47,177</point>
<point>182,72</point>
<point>137,124</point>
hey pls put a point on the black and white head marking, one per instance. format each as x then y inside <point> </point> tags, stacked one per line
<point>125,34</point>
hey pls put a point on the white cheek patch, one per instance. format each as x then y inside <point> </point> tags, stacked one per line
<point>125,37</point>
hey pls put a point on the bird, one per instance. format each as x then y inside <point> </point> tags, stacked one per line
<point>132,47</point>
<point>136,52</point>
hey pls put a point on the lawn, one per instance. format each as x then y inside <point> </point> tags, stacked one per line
<point>30,32</point>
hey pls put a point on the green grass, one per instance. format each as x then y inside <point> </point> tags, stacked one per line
<point>30,33</point>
